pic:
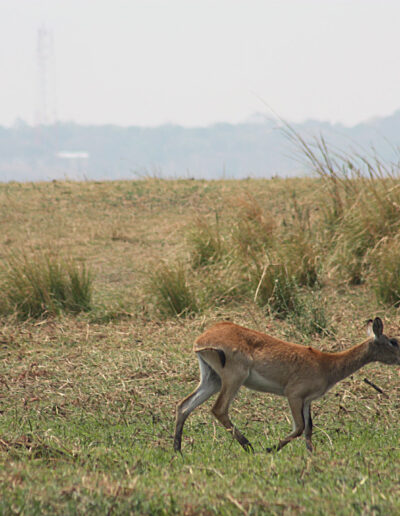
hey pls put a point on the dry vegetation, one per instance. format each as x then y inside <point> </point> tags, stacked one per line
<point>87,399</point>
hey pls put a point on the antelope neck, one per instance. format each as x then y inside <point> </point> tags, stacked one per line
<point>345,363</point>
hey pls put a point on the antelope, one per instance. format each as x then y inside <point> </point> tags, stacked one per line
<point>230,356</point>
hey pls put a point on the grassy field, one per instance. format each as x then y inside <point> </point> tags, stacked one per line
<point>87,400</point>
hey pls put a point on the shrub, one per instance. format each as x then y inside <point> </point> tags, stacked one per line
<point>44,285</point>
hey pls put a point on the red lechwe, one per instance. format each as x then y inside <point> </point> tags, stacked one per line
<point>231,356</point>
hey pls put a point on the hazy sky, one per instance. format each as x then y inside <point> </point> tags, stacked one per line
<point>195,62</point>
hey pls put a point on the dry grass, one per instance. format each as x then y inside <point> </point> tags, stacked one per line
<point>38,285</point>
<point>87,401</point>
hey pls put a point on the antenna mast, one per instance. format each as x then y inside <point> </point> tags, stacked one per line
<point>46,85</point>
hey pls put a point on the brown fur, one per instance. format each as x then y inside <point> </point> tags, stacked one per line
<point>265,363</point>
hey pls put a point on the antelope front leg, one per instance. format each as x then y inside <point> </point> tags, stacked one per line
<point>308,425</point>
<point>296,406</point>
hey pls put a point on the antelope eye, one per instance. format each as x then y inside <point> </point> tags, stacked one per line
<point>394,342</point>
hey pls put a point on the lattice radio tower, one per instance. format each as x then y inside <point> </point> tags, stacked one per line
<point>46,111</point>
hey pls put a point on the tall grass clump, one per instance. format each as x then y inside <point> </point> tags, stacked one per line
<point>170,291</point>
<point>206,243</point>
<point>275,288</point>
<point>310,316</point>
<point>266,275</point>
<point>359,202</point>
<point>302,258</point>
<point>269,252</point>
<point>254,230</point>
<point>42,285</point>
<point>386,272</point>
<point>299,246</point>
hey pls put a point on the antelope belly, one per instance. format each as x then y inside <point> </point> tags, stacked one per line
<point>260,383</point>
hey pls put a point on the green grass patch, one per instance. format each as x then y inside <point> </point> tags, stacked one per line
<point>102,442</point>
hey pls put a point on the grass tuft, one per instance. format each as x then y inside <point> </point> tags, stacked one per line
<point>310,316</point>
<point>206,242</point>
<point>276,289</point>
<point>43,285</point>
<point>254,230</point>
<point>386,265</point>
<point>359,203</point>
<point>170,291</point>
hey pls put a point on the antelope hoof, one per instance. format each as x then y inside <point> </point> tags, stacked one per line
<point>177,445</point>
<point>248,447</point>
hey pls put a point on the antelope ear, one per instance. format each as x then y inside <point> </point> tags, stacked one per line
<point>370,333</point>
<point>377,327</point>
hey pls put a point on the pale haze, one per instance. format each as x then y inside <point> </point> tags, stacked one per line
<point>195,63</point>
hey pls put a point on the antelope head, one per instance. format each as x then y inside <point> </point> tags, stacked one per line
<point>383,349</point>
